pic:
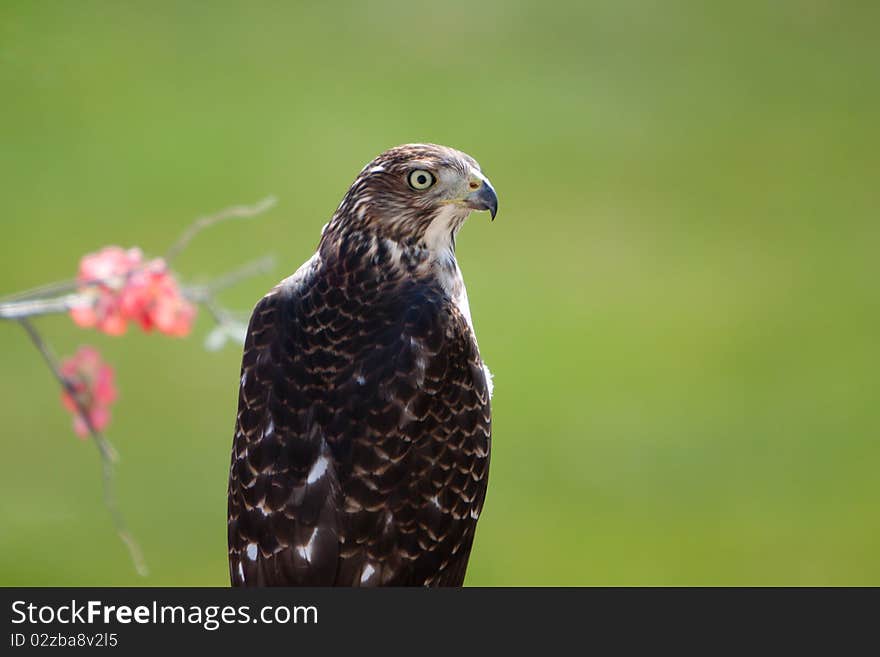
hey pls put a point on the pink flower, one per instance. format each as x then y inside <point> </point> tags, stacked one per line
<point>154,299</point>
<point>103,276</point>
<point>124,288</point>
<point>92,384</point>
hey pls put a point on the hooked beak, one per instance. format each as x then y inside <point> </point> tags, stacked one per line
<point>483,198</point>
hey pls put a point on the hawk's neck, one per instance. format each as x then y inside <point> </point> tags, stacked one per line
<point>430,259</point>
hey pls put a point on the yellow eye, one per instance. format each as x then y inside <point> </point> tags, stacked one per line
<point>421,179</point>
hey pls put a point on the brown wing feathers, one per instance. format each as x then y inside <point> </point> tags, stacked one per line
<point>361,449</point>
<point>283,491</point>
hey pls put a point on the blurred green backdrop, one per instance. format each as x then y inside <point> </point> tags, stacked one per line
<point>678,299</point>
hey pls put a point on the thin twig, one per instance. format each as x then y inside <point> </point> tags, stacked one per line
<point>217,312</point>
<point>104,446</point>
<point>198,293</point>
<point>60,287</point>
<point>235,212</point>
<point>108,454</point>
<point>44,290</point>
<point>33,307</point>
<point>254,268</point>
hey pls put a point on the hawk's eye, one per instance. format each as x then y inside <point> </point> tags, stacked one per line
<point>421,179</point>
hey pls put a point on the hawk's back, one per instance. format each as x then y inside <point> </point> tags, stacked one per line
<point>361,447</point>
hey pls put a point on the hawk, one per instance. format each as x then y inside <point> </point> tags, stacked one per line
<point>361,447</point>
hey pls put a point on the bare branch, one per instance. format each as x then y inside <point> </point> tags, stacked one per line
<point>235,212</point>
<point>33,307</point>
<point>43,291</point>
<point>254,268</point>
<point>104,446</point>
<point>109,455</point>
<point>199,293</point>
<point>229,326</point>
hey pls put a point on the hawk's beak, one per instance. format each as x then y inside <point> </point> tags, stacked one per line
<point>483,198</point>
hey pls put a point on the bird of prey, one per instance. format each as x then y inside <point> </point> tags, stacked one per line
<point>361,447</point>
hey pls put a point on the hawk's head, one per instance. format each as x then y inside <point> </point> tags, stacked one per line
<point>415,193</point>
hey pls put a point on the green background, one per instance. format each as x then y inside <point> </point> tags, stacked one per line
<point>679,298</point>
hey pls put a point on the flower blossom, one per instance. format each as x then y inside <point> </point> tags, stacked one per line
<point>103,277</point>
<point>90,385</point>
<point>154,300</point>
<point>123,287</point>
